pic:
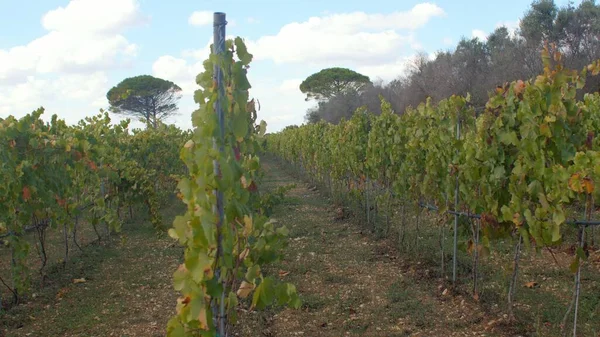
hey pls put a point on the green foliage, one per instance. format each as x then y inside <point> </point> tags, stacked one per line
<point>223,257</point>
<point>331,82</point>
<point>52,173</point>
<point>145,96</point>
<point>530,154</point>
<point>271,199</point>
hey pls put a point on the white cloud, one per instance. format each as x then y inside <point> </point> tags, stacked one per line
<point>386,72</point>
<point>378,45</point>
<point>64,95</point>
<point>295,46</point>
<point>181,71</point>
<point>280,107</point>
<point>94,17</point>
<point>511,26</point>
<point>78,41</point>
<point>65,70</point>
<point>252,20</point>
<point>290,85</point>
<point>201,18</point>
<point>358,38</point>
<point>178,71</point>
<point>448,41</point>
<point>480,34</point>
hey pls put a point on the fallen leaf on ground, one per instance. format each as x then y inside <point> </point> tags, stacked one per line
<point>531,284</point>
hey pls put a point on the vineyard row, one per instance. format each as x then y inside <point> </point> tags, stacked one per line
<point>523,166</point>
<point>56,177</point>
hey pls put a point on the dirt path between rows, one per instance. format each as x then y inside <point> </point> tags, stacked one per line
<point>352,284</point>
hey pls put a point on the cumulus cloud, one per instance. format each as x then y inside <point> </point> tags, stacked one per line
<point>82,37</point>
<point>281,102</point>
<point>94,17</point>
<point>64,95</point>
<point>480,34</point>
<point>65,69</point>
<point>201,18</point>
<point>387,72</point>
<point>358,38</point>
<point>179,71</point>
<point>377,45</point>
<point>511,26</point>
<point>290,85</point>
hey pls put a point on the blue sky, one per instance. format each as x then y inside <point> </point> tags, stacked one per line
<point>64,55</point>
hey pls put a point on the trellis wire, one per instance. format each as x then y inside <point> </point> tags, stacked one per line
<point>582,224</point>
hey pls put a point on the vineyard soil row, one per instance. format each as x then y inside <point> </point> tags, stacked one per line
<point>350,282</point>
<point>121,288</point>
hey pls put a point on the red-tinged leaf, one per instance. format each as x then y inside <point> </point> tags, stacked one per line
<point>236,151</point>
<point>488,219</point>
<point>26,193</point>
<point>470,246</point>
<point>519,88</point>
<point>92,165</point>
<point>61,202</point>
<point>589,140</point>
<point>252,187</point>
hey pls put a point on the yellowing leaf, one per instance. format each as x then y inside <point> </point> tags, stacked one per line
<point>543,201</point>
<point>79,280</point>
<point>588,185</point>
<point>203,319</point>
<point>470,246</point>
<point>531,284</point>
<point>244,254</point>
<point>245,289</point>
<point>173,233</point>
<point>248,226</point>
<point>545,130</point>
<point>517,220</point>
<point>574,183</point>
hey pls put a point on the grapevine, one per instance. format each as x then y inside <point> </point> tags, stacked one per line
<point>518,167</point>
<point>223,261</point>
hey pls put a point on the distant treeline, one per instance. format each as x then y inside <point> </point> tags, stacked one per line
<point>477,67</point>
